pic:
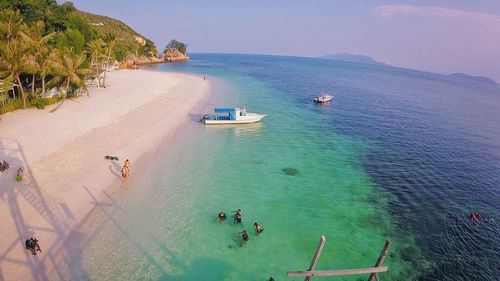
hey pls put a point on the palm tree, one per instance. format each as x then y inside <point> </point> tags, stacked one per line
<point>39,52</point>
<point>46,62</point>
<point>11,24</point>
<point>96,50</point>
<point>110,40</point>
<point>69,71</point>
<point>13,63</point>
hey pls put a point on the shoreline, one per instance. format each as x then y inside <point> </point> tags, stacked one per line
<point>59,191</point>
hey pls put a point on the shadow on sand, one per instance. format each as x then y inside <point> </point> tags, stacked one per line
<point>63,259</point>
<point>17,194</point>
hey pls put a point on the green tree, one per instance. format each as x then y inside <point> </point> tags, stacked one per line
<point>71,39</point>
<point>96,50</point>
<point>121,50</point>
<point>78,23</point>
<point>38,55</point>
<point>69,71</point>
<point>31,10</point>
<point>174,44</point>
<point>110,42</point>
<point>58,18</point>
<point>13,61</point>
<point>11,23</point>
<point>148,50</point>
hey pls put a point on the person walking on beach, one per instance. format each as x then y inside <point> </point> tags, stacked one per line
<point>126,170</point>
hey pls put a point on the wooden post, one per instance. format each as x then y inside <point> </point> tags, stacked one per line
<point>319,249</point>
<point>381,258</point>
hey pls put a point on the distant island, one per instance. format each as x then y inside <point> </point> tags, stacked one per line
<point>475,78</point>
<point>353,58</point>
<point>175,51</point>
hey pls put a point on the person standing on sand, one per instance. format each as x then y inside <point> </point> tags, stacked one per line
<point>126,170</point>
<point>19,175</point>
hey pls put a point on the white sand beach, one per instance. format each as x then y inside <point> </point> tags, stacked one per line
<point>62,154</point>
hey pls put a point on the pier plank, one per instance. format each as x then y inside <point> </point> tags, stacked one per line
<point>337,272</point>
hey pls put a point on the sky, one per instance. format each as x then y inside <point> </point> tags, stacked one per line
<point>444,36</point>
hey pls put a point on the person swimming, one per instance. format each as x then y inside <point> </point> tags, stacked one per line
<point>475,216</point>
<point>222,216</point>
<point>258,228</point>
<point>237,216</point>
<point>244,235</point>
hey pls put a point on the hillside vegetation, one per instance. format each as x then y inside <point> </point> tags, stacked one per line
<point>128,40</point>
<point>48,46</point>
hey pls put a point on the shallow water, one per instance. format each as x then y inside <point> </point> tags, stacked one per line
<point>399,154</point>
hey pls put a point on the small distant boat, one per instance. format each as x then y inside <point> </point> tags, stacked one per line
<point>323,98</point>
<point>238,115</point>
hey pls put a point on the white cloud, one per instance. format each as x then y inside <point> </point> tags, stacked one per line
<point>406,10</point>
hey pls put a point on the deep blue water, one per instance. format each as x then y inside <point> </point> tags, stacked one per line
<point>432,148</point>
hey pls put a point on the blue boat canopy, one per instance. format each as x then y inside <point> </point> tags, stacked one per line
<point>231,111</point>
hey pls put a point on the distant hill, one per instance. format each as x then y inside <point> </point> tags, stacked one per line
<point>75,29</point>
<point>475,78</point>
<point>353,58</point>
<point>124,34</point>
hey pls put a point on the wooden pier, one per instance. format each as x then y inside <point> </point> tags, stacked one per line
<point>373,271</point>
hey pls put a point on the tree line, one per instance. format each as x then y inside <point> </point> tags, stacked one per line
<point>45,45</point>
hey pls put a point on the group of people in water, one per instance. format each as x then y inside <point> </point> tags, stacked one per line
<point>237,219</point>
<point>126,170</point>
<point>32,245</point>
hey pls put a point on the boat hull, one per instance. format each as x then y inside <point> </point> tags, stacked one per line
<point>323,99</point>
<point>246,120</point>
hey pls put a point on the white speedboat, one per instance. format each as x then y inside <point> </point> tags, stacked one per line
<point>231,116</point>
<point>323,98</point>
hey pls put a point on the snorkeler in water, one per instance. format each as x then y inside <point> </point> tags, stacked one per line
<point>258,228</point>
<point>237,216</point>
<point>222,216</point>
<point>475,216</point>
<point>244,235</point>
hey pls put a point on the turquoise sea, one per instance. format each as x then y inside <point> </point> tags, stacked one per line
<point>400,154</point>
